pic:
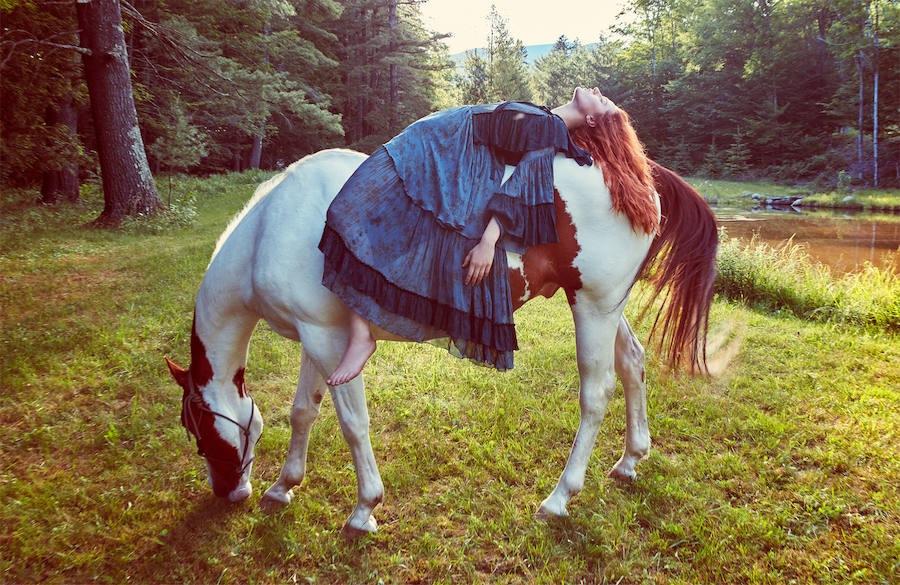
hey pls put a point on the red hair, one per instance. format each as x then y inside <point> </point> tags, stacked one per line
<point>615,147</point>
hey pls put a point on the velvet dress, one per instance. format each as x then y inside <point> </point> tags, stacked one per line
<point>399,230</point>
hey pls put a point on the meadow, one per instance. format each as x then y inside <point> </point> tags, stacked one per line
<point>780,467</point>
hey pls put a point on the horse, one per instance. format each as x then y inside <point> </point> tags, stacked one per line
<point>266,265</point>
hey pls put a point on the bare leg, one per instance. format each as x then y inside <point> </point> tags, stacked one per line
<point>630,368</point>
<point>360,348</point>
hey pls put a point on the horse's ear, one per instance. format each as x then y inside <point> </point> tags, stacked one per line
<point>179,373</point>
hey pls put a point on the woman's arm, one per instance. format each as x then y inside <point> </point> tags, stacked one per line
<point>481,257</point>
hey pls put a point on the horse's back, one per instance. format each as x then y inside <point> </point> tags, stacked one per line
<point>268,257</point>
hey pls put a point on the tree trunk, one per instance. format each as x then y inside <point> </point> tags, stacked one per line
<point>875,102</point>
<point>61,183</point>
<point>256,151</point>
<point>395,77</point>
<point>859,137</point>
<point>128,187</point>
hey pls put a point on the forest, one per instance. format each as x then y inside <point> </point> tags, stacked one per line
<point>793,91</point>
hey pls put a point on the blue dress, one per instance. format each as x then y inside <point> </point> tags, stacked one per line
<point>399,230</point>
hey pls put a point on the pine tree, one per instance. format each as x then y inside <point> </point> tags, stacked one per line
<point>500,72</point>
<point>391,69</point>
<point>42,91</point>
<point>736,159</point>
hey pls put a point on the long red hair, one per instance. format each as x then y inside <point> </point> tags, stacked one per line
<point>615,147</point>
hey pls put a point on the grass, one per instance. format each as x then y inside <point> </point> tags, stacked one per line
<point>784,277</point>
<point>781,468</point>
<point>738,193</point>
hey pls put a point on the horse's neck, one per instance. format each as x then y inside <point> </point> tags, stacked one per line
<point>219,341</point>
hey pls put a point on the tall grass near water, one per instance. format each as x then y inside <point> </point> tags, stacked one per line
<point>785,277</point>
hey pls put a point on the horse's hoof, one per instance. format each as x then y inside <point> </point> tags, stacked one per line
<point>271,503</point>
<point>623,475</point>
<point>545,515</point>
<point>351,532</point>
<point>240,494</point>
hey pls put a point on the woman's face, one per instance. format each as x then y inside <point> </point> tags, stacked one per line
<point>592,104</point>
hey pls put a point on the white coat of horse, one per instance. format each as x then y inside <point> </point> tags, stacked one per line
<point>267,265</point>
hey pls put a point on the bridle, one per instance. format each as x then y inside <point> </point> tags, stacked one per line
<point>190,420</point>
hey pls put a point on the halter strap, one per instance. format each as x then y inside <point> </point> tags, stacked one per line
<point>190,420</point>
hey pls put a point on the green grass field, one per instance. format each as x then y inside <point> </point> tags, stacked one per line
<point>781,467</point>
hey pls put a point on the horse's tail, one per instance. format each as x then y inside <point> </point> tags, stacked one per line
<point>681,261</point>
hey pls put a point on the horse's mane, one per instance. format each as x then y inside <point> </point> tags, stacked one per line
<point>615,147</point>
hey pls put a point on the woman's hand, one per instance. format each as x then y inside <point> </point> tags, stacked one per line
<point>481,257</point>
<point>479,261</point>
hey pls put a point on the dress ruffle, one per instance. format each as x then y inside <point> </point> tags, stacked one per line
<point>524,205</point>
<point>436,317</point>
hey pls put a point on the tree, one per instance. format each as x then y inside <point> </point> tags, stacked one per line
<point>474,84</point>
<point>391,69</point>
<point>501,73</point>
<point>128,186</point>
<point>41,92</point>
<point>183,147</point>
<point>556,74</point>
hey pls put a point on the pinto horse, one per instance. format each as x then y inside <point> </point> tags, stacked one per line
<point>267,266</point>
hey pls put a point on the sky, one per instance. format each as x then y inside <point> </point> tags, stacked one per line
<point>534,23</point>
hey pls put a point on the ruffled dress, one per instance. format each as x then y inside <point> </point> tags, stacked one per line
<point>399,230</point>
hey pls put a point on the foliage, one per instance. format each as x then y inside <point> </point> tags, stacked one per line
<point>184,146</point>
<point>37,73</point>
<point>392,69</point>
<point>499,72</point>
<point>781,468</point>
<point>784,278</point>
<point>725,87</point>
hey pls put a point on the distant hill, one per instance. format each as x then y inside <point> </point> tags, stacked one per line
<point>535,52</point>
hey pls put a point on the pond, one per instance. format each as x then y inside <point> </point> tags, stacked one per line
<point>844,241</point>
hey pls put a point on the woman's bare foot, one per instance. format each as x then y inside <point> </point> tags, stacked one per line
<point>355,357</point>
<point>360,348</point>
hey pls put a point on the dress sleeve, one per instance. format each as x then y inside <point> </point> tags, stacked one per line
<point>515,128</point>
<point>523,205</point>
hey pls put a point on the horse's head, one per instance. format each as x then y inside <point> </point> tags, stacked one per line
<point>224,420</point>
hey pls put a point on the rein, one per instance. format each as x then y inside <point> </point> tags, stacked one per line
<point>190,420</point>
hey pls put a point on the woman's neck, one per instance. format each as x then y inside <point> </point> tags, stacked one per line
<point>570,115</point>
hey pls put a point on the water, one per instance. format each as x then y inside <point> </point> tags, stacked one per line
<point>842,241</point>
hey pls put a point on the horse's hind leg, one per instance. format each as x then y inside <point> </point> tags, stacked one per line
<point>594,335</point>
<point>310,390</point>
<point>630,368</point>
<point>325,347</point>
<point>350,405</point>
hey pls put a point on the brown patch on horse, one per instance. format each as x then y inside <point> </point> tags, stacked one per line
<point>201,370</point>
<point>239,382</point>
<point>219,453</point>
<point>548,267</point>
<point>518,287</point>
<point>179,373</point>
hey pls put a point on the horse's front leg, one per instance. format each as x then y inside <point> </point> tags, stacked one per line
<point>631,370</point>
<point>311,389</point>
<point>594,338</point>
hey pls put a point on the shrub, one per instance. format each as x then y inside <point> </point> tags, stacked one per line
<point>786,278</point>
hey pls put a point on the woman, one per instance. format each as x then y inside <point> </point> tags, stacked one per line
<point>411,241</point>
